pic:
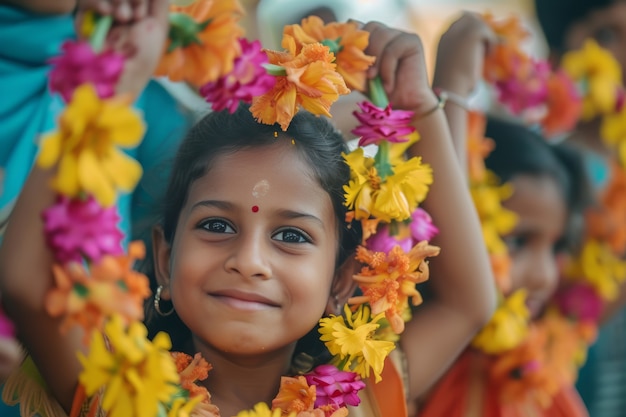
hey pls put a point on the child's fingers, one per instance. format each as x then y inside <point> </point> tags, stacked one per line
<point>121,10</point>
<point>139,9</point>
<point>159,9</point>
<point>400,62</point>
<point>380,36</point>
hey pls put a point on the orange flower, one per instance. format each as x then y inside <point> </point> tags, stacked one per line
<point>510,30</point>
<point>311,81</point>
<point>501,267</point>
<point>88,298</point>
<point>545,363</point>
<point>209,41</point>
<point>520,373</point>
<point>345,40</point>
<point>478,146</point>
<point>564,105</point>
<point>191,370</point>
<point>294,395</point>
<point>608,221</point>
<point>389,280</point>
<point>507,59</point>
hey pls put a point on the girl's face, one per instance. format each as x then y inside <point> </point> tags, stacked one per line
<point>542,213</point>
<point>253,258</point>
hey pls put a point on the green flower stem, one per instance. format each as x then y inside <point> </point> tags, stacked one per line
<point>381,160</point>
<point>99,35</point>
<point>394,228</point>
<point>377,93</point>
<point>334,45</point>
<point>275,70</point>
<point>379,99</point>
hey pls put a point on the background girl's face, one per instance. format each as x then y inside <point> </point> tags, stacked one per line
<point>542,214</point>
<point>253,258</point>
<point>607,26</point>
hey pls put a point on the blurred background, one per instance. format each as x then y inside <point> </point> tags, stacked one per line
<point>265,19</point>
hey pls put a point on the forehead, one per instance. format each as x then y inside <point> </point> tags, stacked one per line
<point>274,174</point>
<point>539,204</point>
<point>612,15</point>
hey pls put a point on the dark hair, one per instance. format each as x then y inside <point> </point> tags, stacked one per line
<point>522,151</point>
<point>219,133</point>
<point>557,16</point>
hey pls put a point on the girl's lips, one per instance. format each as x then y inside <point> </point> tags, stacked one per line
<point>242,300</point>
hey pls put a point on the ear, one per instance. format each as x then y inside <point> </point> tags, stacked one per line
<point>343,286</point>
<point>161,252</point>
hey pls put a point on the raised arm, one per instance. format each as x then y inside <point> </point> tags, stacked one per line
<point>463,294</point>
<point>26,262</point>
<point>458,70</point>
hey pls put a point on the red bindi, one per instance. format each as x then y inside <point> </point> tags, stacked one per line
<point>255,209</point>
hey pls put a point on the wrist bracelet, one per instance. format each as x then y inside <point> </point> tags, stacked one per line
<point>444,97</point>
<point>454,98</point>
<point>441,102</point>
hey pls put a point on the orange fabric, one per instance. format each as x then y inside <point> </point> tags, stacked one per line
<point>465,392</point>
<point>389,393</point>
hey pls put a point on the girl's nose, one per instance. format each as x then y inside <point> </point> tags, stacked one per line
<point>249,257</point>
<point>543,273</point>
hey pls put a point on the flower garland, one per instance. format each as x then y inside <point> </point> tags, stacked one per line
<point>124,373</point>
<point>532,361</point>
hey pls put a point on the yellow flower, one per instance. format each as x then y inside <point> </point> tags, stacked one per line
<point>599,266</point>
<point>600,74</point>
<point>395,198</point>
<point>351,341</point>
<point>613,133</point>
<point>262,410</point>
<point>508,326</point>
<point>495,220</point>
<point>183,407</point>
<point>90,130</point>
<point>136,374</point>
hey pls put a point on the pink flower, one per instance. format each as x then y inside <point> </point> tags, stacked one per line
<point>525,91</point>
<point>383,241</point>
<point>77,228</point>
<point>247,79</point>
<point>7,329</point>
<point>580,301</point>
<point>334,387</point>
<point>79,64</point>
<point>422,227</point>
<point>382,124</point>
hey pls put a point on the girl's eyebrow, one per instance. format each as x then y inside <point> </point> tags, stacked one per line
<point>285,213</point>
<point>291,214</point>
<point>224,205</point>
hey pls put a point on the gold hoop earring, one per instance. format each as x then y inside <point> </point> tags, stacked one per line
<point>157,302</point>
<point>337,305</point>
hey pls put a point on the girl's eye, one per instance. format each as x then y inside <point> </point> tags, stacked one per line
<point>605,36</point>
<point>292,236</point>
<point>217,226</point>
<point>515,242</point>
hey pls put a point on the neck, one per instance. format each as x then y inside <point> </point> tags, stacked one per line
<point>237,383</point>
